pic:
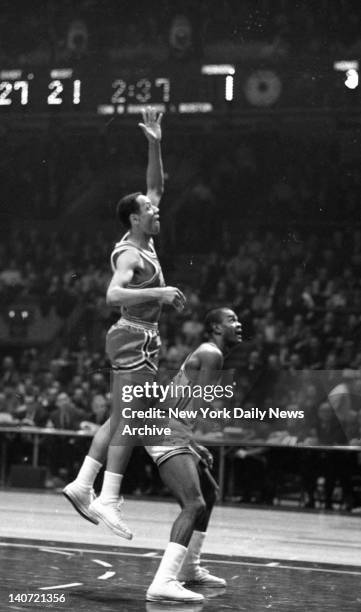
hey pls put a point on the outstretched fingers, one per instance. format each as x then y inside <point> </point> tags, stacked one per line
<point>150,116</point>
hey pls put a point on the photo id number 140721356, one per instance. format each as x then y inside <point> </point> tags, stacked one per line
<point>25,598</point>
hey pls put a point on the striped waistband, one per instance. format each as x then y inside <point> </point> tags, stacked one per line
<point>137,324</point>
<point>176,450</point>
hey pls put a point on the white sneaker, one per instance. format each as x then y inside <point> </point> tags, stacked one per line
<point>201,577</point>
<point>172,591</point>
<point>111,515</point>
<point>81,498</point>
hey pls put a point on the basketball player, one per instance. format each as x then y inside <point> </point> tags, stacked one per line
<point>183,466</point>
<point>132,344</point>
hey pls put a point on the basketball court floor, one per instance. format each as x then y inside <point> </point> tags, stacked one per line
<point>272,559</point>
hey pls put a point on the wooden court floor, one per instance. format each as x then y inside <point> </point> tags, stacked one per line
<point>272,560</point>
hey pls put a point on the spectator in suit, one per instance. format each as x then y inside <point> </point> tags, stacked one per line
<point>66,415</point>
<point>99,414</point>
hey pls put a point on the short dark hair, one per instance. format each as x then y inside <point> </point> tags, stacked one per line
<point>127,206</point>
<point>213,317</point>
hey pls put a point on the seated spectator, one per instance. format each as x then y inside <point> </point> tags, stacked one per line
<point>269,328</point>
<point>6,417</point>
<point>328,430</point>
<point>99,414</point>
<point>192,330</point>
<point>9,375</point>
<point>177,352</point>
<point>47,405</point>
<point>80,399</point>
<point>66,415</point>
<point>27,410</point>
<point>262,301</point>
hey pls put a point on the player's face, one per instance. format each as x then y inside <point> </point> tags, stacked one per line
<point>231,328</point>
<point>148,216</point>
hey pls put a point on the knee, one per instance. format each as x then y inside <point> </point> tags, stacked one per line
<point>196,506</point>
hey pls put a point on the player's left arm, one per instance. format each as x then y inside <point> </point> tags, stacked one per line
<point>152,130</point>
<point>210,365</point>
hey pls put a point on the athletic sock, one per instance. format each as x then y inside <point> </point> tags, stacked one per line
<point>170,564</point>
<point>192,559</point>
<point>88,472</point>
<point>111,488</point>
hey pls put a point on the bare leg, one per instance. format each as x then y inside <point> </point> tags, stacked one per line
<point>209,489</point>
<point>120,446</point>
<point>194,487</point>
<point>180,475</point>
<point>107,506</point>
<point>80,491</point>
<point>99,446</point>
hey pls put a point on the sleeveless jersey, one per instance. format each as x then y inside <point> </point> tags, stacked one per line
<point>147,312</point>
<point>182,427</point>
<point>179,441</point>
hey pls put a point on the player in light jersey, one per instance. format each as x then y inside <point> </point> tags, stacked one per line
<point>132,344</point>
<point>183,467</point>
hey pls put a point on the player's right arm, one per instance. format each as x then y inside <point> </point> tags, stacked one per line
<point>153,133</point>
<point>119,294</point>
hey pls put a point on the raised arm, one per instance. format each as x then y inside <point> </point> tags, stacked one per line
<point>118,293</point>
<point>153,133</point>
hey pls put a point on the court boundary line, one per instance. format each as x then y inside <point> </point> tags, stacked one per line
<point>272,563</point>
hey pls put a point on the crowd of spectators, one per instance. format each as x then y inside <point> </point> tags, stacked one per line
<point>295,286</point>
<point>88,29</point>
<point>298,295</point>
<point>280,243</point>
<point>299,302</point>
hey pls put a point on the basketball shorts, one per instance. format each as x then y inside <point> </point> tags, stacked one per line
<point>159,454</point>
<point>133,346</point>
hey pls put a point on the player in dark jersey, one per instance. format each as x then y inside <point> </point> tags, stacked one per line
<point>138,289</point>
<point>183,467</point>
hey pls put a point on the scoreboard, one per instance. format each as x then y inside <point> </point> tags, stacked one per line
<point>189,88</point>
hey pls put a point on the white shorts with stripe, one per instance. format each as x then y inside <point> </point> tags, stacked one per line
<point>159,454</point>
